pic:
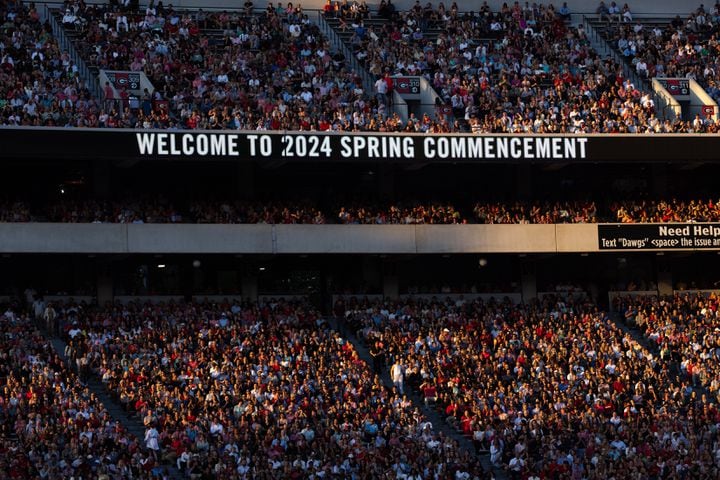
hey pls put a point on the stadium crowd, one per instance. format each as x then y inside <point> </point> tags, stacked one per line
<point>357,212</point>
<point>553,389</point>
<point>550,390</point>
<point>39,83</point>
<point>685,328</point>
<point>519,70</point>
<point>673,210</point>
<point>257,212</point>
<point>51,425</point>
<point>219,70</point>
<point>161,211</point>
<point>547,212</point>
<point>400,213</point>
<point>258,391</point>
<point>685,48</point>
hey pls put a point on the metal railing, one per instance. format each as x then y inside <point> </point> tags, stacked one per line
<point>90,80</point>
<point>639,82</point>
<point>665,109</point>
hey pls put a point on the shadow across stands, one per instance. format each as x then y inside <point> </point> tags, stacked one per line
<point>685,329</point>
<point>52,425</point>
<point>552,389</point>
<point>258,391</point>
<point>549,389</point>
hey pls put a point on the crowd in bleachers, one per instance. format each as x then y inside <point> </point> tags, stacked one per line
<point>259,391</point>
<point>674,210</point>
<point>686,48</point>
<point>302,212</point>
<point>400,213</point>
<point>39,82</point>
<point>550,390</point>
<point>220,70</point>
<point>161,211</point>
<point>51,425</point>
<point>520,70</point>
<point>257,212</point>
<point>11,212</point>
<point>685,328</point>
<point>548,212</point>
<point>357,212</point>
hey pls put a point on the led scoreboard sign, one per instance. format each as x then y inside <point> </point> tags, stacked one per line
<point>659,236</point>
<point>260,146</point>
<point>392,147</point>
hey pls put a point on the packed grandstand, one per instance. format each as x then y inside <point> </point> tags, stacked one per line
<point>550,389</point>
<point>384,317</point>
<point>519,70</point>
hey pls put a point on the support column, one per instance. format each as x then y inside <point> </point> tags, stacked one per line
<point>245,180</point>
<point>659,180</point>
<point>105,288</point>
<point>524,182</point>
<point>386,183</point>
<point>391,287</point>
<point>372,272</point>
<point>390,280</point>
<point>249,288</point>
<point>101,179</point>
<point>528,281</point>
<point>664,283</point>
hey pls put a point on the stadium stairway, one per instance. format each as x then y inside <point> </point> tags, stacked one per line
<point>598,43</point>
<point>599,34</point>
<point>132,424</point>
<point>430,32</point>
<point>439,424</point>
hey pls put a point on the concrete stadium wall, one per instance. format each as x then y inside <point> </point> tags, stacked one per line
<point>485,238</point>
<point>153,238</point>
<point>295,239</point>
<point>345,239</point>
<point>63,238</point>
<point>576,238</point>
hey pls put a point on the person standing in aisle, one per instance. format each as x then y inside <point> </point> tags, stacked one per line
<point>397,372</point>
